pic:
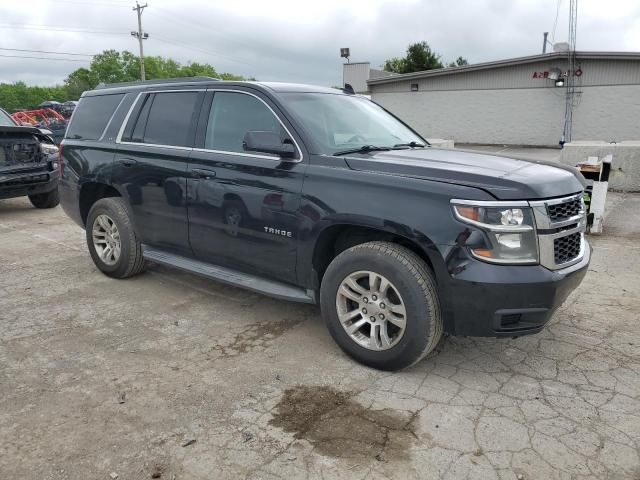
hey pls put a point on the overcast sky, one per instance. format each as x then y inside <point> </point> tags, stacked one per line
<point>298,40</point>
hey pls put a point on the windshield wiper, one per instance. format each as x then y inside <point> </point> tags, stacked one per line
<point>410,144</point>
<point>362,149</point>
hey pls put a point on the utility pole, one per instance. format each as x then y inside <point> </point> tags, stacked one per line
<point>141,36</point>
<point>544,42</point>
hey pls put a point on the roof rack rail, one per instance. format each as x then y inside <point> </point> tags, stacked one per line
<point>161,81</point>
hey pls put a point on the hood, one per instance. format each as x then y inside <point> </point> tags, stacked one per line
<point>506,178</point>
<point>20,129</point>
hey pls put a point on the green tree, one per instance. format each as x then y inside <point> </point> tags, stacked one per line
<point>419,57</point>
<point>110,66</point>
<point>459,62</point>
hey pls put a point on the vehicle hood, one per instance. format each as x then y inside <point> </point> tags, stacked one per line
<point>506,178</point>
<point>21,129</point>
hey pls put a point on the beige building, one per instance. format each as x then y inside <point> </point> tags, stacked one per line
<point>518,101</point>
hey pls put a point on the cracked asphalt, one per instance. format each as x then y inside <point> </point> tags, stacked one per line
<point>171,376</point>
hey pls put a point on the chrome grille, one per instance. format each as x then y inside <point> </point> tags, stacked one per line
<point>567,248</point>
<point>562,211</point>
<point>560,223</point>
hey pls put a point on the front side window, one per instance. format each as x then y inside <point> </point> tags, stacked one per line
<point>339,122</point>
<point>170,118</point>
<point>232,116</point>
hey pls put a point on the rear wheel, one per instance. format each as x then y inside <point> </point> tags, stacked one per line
<point>380,304</point>
<point>45,200</point>
<point>112,242</point>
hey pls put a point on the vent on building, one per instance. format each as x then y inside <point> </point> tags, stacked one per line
<point>414,87</point>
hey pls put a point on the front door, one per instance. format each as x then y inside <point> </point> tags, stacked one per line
<point>243,205</point>
<point>151,166</point>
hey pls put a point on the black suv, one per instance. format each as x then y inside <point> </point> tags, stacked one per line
<point>317,195</point>
<point>28,163</point>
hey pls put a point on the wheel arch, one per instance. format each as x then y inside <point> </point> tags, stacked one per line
<point>91,192</point>
<point>335,238</point>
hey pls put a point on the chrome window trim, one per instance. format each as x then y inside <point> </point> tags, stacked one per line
<point>242,154</point>
<point>156,145</point>
<point>104,132</point>
<point>126,119</point>
<point>208,150</point>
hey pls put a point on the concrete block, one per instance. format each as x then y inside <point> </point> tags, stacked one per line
<point>625,166</point>
<point>441,143</point>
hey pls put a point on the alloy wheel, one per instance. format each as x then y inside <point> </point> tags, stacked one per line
<point>371,310</point>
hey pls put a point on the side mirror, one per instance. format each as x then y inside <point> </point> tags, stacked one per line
<point>268,142</point>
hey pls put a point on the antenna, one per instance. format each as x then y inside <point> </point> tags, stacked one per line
<point>571,69</point>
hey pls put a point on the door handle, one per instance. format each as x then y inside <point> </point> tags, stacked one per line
<point>202,173</point>
<point>129,162</point>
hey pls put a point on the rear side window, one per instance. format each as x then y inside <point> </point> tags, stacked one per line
<point>92,116</point>
<point>166,119</point>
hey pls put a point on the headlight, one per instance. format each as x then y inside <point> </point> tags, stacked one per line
<point>509,230</point>
<point>49,149</point>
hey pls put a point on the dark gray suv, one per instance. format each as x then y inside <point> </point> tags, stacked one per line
<point>317,195</point>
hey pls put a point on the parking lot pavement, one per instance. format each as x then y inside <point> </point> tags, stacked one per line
<point>171,376</point>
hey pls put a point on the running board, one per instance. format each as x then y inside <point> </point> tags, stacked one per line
<point>232,277</point>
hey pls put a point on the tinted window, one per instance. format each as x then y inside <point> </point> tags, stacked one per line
<point>232,116</point>
<point>342,122</point>
<point>6,120</point>
<point>92,115</point>
<point>138,132</point>
<point>170,117</point>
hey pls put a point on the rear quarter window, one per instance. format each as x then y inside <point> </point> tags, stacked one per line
<point>92,116</point>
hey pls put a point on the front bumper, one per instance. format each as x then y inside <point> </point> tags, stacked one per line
<point>21,184</point>
<point>486,300</point>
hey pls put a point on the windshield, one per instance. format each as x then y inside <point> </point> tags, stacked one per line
<point>6,120</point>
<point>339,123</point>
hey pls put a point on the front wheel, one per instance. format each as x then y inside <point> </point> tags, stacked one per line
<point>380,305</point>
<point>45,200</point>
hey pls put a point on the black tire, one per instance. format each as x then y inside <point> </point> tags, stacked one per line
<point>413,279</point>
<point>45,200</point>
<point>131,261</point>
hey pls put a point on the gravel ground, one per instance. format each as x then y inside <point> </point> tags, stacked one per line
<point>170,376</point>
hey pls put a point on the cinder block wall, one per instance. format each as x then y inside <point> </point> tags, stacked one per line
<point>531,116</point>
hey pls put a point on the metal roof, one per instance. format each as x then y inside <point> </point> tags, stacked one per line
<point>506,63</point>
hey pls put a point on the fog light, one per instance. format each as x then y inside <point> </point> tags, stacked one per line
<point>509,240</point>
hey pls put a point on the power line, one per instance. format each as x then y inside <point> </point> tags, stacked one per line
<point>208,52</point>
<point>45,51</point>
<point>97,4</point>
<point>173,17</point>
<point>54,28</point>
<point>46,58</point>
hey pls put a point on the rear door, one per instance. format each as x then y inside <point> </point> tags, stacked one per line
<point>243,205</point>
<point>151,165</point>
